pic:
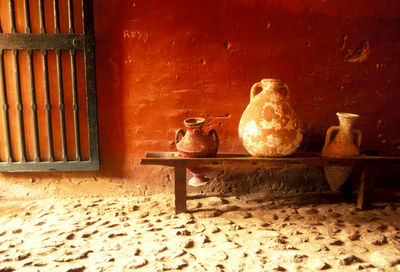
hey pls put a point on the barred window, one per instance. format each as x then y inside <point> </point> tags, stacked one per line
<point>48,115</point>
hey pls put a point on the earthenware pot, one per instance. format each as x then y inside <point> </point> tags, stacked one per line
<point>341,141</point>
<point>269,126</point>
<point>195,143</point>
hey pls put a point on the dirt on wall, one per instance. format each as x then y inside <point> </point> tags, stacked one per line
<point>160,62</point>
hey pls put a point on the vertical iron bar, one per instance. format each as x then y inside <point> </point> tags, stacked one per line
<point>19,106</point>
<point>41,17</point>
<point>34,107</point>
<point>48,105</point>
<point>61,105</point>
<point>12,15</point>
<point>90,77</point>
<point>75,107</point>
<point>3,94</point>
<point>70,17</point>
<point>27,17</point>
<point>56,24</point>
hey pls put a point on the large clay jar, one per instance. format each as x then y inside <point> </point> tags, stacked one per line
<point>269,126</point>
<point>195,143</point>
<point>340,142</point>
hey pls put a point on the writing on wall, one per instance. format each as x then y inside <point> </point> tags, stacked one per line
<point>135,35</point>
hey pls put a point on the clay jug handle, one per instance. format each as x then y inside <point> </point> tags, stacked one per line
<point>179,131</point>
<point>214,132</point>
<point>254,90</point>
<point>286,88</point>
<point>359,137</point>
<point>328,135</point>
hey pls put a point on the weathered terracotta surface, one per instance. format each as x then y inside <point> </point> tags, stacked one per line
<point>340,142</point>
<point>195,143</point>
<point>269,126</point>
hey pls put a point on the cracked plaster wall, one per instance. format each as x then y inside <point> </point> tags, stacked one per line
<point>160,62</point>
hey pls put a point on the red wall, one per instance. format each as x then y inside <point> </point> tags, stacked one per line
<point>159,62</point>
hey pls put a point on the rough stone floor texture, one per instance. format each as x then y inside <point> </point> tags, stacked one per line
<point>257,232</point>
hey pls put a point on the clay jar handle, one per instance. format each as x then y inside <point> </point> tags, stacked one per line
<point>253,90</point>
<point>179,131</point>
<point>286,88</point>
<point>283,86</point>
<point>214,132</point>
<point>359,137</point>
<point>328,135</point>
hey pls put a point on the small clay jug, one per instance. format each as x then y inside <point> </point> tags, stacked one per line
<point>269,126</point>
<point>195,143</point>
<point>341,141</point>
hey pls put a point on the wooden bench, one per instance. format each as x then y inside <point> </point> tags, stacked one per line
<point>362,169</point>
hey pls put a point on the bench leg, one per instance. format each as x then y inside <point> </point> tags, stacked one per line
<point>180,189</point>
<point>364,201</point>
<point>347,187</point>
<point>352,180</point>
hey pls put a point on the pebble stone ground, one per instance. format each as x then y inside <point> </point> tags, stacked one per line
<point>257,232</point>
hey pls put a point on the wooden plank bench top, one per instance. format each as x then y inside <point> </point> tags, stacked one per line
<point>362,166</point>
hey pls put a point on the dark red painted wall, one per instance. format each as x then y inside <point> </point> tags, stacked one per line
<point>159,62</point>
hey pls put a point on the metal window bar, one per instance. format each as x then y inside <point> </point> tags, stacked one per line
<point>47,105</point>
<point>75,107</point>
<point>19,105</point>
<point>34,107</point>
<point>41,17</point>
<point>56,24</point>
<point>12,16</point>
<point>27,19</point>
<point>70,17</point>
<point>61,106</point>
<point>6,123</point>
<point>43,43</point>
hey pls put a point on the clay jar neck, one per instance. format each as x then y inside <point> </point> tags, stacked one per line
<point>272,85</point>
<point>194,126</point>
<point>346,124</point>
<point>347,121</point>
